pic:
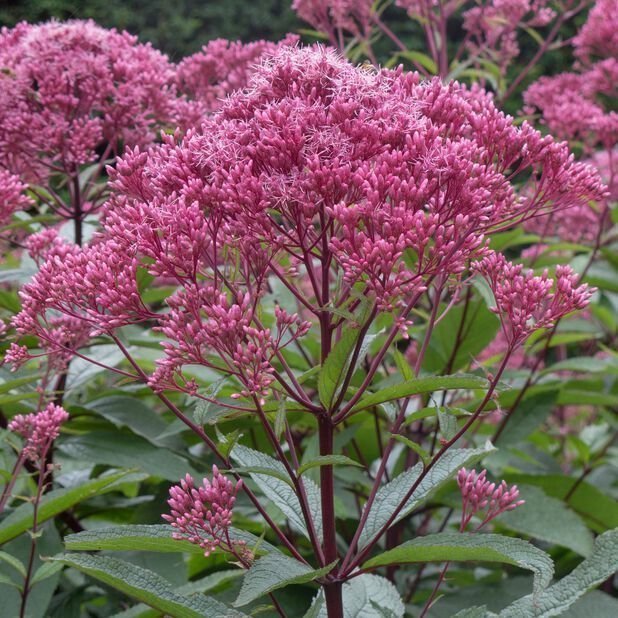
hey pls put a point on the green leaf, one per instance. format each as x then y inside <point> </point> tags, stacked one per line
<point>47,569</point>
<point>146,586</point>
<point>206,584</point>
<point>477,331</point>
<point>60,500</point>
<point>275,571</point>
<point>528,415</point>
<point>156,538</point>
<point>204,413</point>
<point>277,474</point>
<point>126,450</point>
<point>278,491</point>
<point>335,367</point>
<point>550,520</point>
<point>418,386</point>
<point>16,563</point>
<point>468,547</point>
<point>417,448</point>
<point>554,601</point>
<point>390,495</point>
<point>447,423</point>
<point>599,511</point>
<point>366,596</point>
<point>327,460</point>
<point>415,56</point>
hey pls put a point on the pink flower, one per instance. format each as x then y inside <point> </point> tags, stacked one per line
<point>203,515</point>
<point>318,169</point>
<point>39,430</point>
<point>481,496</point>
<point>353,16</point>
<point>12,196</point>
<point>219,69</point>
<point>67,89</point>
<point>599,35</point>
<point>526,302</point>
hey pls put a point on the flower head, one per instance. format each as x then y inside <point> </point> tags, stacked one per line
<point>67,89</point>
<point>526,302</point>
<point>480,496</point>
<point>12,196</point>
<point>203,515</point>
<point>39,430</point>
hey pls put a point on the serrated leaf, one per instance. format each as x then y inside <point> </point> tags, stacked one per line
<point>206,584</point>
<point>279,492</point>
<point>390,495</point>
<point>366,596</point>
<point>275,571</point>
<point>146,586</point>
<point>550,520</point>
<point>554,601</point>
<point>447,423</point>
<point>468,547</point>
<point>58,501</point>
<point>418,386</point>
<point>142,537</point>
<point>327,460</point>
<point>203,412</point>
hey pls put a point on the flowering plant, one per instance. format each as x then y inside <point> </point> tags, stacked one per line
<point>314,289</point>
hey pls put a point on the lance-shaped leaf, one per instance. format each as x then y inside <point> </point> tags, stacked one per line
<point>60,500</point>
<point>157,538</point>
<point>275,571</point>
<point>418,386</point>
<point>390,495</point>
<point>278,491</point>
<point>554,601</point>
<point>468,547</point>
<point>147,587</point>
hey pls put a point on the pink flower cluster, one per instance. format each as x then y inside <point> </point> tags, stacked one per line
<point>12,196</point>
<point>66,89</point>
<point>331,16</point>
<point>481,496</point>
<point>493,26</point>
<point>387,180</point>
<point>39,430</point>
<point>599,35</point>
<point>203,515</point>
<point>526,302</point>
<point>220,68</point>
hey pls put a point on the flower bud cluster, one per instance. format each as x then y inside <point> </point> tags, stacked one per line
<point>203,515</point>
<point>481,496</point>
<point>39,430</point>
<point>526,302</point>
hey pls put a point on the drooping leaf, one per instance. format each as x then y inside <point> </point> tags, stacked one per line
<point>468,547</point>
<point>275,571</point>
<point>554,601</point>
<point>146,586</point>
